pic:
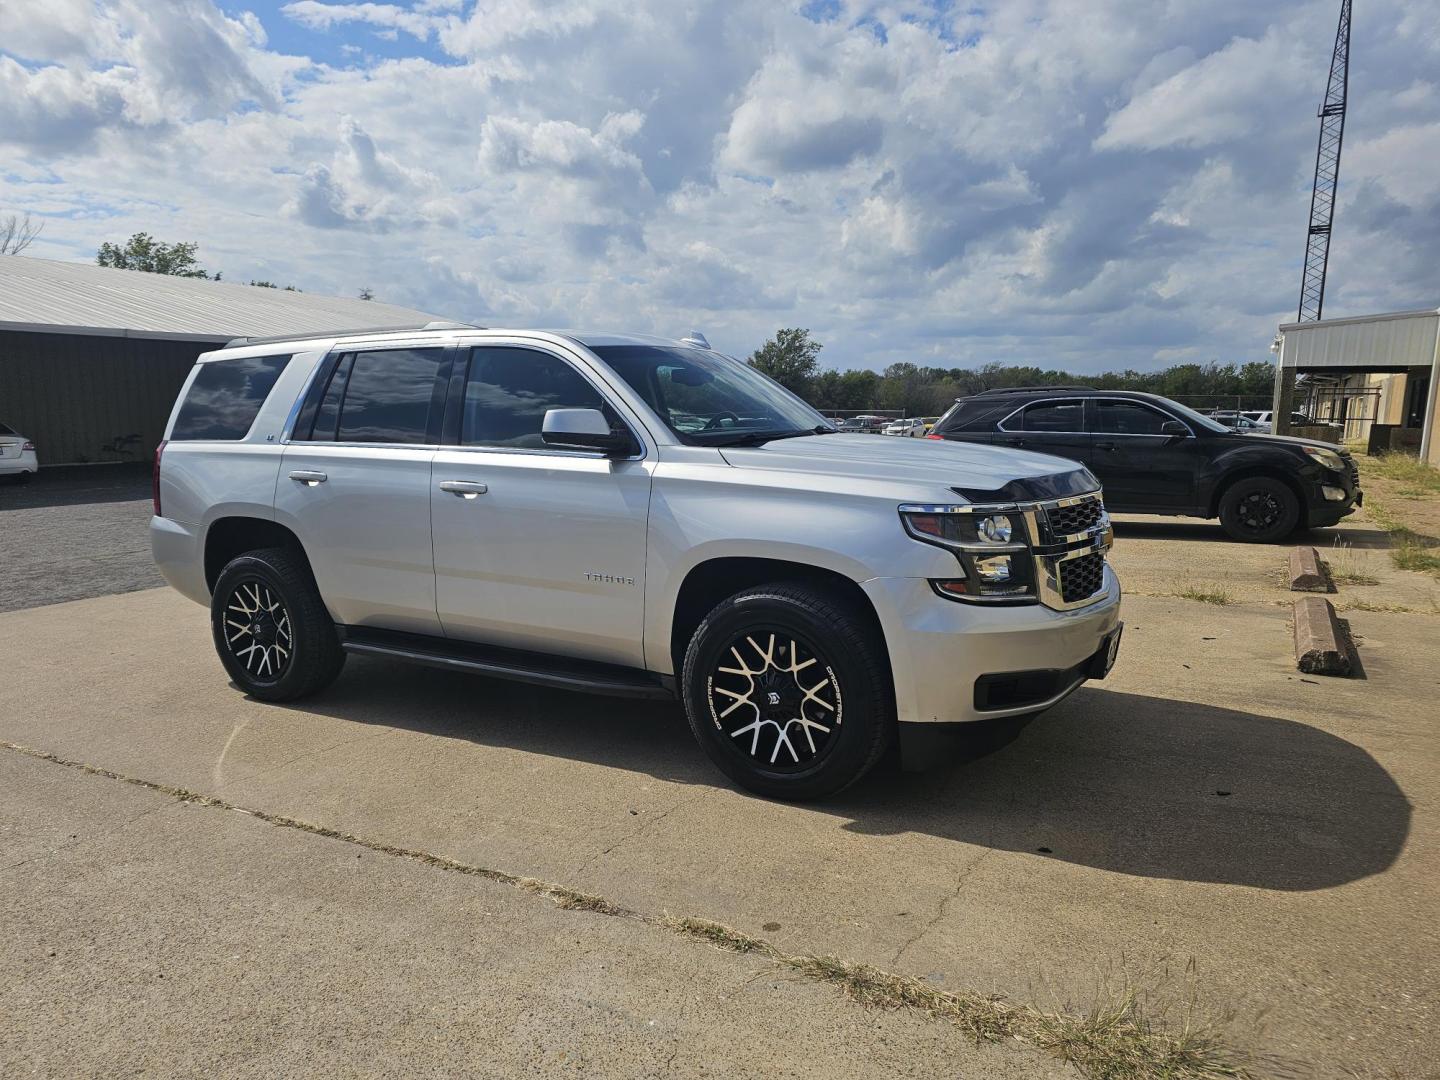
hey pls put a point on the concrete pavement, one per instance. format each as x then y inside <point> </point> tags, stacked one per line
<point>1206,804</point>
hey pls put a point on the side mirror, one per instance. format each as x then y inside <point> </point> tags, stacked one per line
<point>584,429</point>
<point>1175,429</point>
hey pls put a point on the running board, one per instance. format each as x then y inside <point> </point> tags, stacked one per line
<point>540,669</point>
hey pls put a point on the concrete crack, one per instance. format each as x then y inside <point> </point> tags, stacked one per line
<point>943,906</point>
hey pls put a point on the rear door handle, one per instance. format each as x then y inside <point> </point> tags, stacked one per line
<point>466,489</point>
<point>308,477</point>
<point>1105,446</point>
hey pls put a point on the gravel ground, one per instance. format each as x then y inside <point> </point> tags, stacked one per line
<point>75,533</point>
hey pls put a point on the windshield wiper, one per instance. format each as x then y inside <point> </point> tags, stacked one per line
<point>759,438</point>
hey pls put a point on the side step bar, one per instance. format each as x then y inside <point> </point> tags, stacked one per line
<point>537,668</point>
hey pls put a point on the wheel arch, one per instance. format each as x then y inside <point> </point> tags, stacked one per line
<point>709,582</point>
<point>1251,472</point>
<point>230,536</point>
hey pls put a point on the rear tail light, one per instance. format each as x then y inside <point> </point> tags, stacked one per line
<point>932,435</point>
<point>28,446</point>
<point>155,479</point>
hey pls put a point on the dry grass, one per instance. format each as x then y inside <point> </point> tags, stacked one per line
<point>1347,566</point>
<point>1120,1037</point>
<point>1406,470</point>
<point>1116,1039</point>
<point>1206,593</point>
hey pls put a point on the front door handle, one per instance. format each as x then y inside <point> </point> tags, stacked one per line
<point>466,489</point>
<point>308,477</point>
<point>1105,446</point>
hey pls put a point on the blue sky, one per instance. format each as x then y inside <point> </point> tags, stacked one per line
<point>1086,185</point>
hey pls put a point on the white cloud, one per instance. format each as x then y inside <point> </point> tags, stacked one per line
<point>1036,181</point>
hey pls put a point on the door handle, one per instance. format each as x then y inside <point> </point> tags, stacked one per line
<point>466,489</point>
<point>1105,446</point>
<point>308,477</point>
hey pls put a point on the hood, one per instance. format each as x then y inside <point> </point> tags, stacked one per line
<point>1289,440</point>
<point>979,471</point>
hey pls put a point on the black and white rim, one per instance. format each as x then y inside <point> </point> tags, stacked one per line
<point>1260,511</point>
<point>257,630</point>
<point>776,699</point>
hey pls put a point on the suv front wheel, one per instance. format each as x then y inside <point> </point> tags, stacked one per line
<point>1259,510</point>
<point>271,628</point>
<point>787,690</point>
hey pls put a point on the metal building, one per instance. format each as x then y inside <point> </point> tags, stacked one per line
<point>1372,377</point>
<point>91,359</point>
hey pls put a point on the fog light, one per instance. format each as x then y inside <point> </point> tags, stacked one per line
<point>996,529</point>
<point>993,571</point>
<point>1333,494</point>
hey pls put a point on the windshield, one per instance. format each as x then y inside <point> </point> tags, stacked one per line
<point>1194,417</point>
<point>711,400</point>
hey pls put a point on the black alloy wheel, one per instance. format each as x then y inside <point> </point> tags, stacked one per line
<point>787,689</point>
<point>271,629</point>
<point>777,697</point>
<point>1259,510</point>
<point>257,629</point>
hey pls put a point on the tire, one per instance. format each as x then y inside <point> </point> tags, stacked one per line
<point>807,740</point>
<point>1260,510</point>
<point>270,626</point>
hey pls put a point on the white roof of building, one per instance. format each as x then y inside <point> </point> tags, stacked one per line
<point>1396,339</point>
<point>76,298</point>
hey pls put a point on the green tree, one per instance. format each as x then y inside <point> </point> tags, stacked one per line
<point>143,252</point>
<point>790,358</point>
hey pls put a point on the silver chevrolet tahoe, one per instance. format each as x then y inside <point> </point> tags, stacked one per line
<point>627,515</point>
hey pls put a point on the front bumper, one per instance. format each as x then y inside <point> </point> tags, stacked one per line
<point>939,649</point>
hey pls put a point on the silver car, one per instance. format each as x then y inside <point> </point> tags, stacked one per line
<point>627,515</point>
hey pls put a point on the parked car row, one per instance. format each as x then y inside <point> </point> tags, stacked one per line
<point>1156,456</point>
<point>17,455</point>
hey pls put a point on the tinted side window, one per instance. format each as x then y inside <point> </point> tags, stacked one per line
<point>226,396</point>
<point>974,414</point>
<point>327,416</point>
<point>1127,418</point>
<point>388,397</point>
<point>508,391</point>
<point>1051,416</point>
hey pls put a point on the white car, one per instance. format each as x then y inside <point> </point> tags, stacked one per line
<point>630,516</point>
<point>17,455</point>
<point>1261,418</point>
<point>913,428</point>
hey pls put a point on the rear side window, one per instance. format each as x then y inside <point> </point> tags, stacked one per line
<point>508,392</point>
<point>1057,416</point>
<point>381,396</point>
<point>225,397</point>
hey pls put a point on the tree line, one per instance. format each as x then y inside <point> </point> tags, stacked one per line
<point>791,358</point>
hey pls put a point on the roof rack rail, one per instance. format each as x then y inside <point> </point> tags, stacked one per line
<point>433,324</point>
<point>1027,389</point>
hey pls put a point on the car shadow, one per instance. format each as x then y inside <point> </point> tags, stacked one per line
<point>1137,785</point>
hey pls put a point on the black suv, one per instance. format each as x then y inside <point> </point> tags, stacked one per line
<point>1155,456</point>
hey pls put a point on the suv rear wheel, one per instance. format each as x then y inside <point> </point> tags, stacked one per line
<point>271,628</point>
<point>787,690</point>
<point>1259,510</point>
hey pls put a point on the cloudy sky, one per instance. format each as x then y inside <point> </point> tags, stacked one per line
<point>1088,184</point>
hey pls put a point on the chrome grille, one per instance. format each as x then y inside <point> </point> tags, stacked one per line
<point>1081,578</point>
<point>1075,518</point>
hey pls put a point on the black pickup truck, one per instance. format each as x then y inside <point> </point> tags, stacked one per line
<point>1155,456</point>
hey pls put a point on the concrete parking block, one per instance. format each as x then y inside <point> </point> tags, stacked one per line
<point>1307,572</point>
<point>1321,643</point>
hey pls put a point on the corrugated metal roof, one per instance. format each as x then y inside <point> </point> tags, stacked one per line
<point>1379,342</point>
<point>77,298</point>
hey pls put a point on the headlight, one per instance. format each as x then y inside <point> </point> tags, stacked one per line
<point>989,546</point>
<point>979,530</point>
<point>1327,458</point>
